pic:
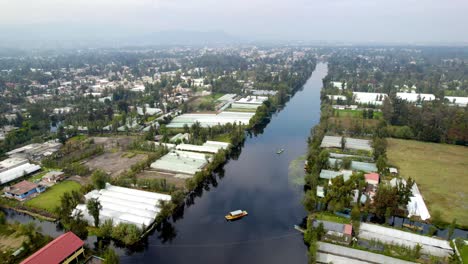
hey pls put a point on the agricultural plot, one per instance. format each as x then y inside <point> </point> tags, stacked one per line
<point>114,163</point>
<point>440,171</point>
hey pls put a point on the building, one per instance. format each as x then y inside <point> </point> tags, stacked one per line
<point>415,97</point>
<point>369,98</point>
<point>372,178</point>
<point>53,176</point>
<point>336,232</point>
<point>416,205</point>
<point>208,147</point>
<point>35,151</point>
<point>182,163</point>
<point>455,100</point>
<point>14,168</point>
<point>149,111</point>
<point>320,192</point>
<point>124,205</point>
<point>329,174</point>
<point>23,190</point>
<point>207,120</point>
<point>393,171</point>
<point>64,249</point>
<point>249,102</point>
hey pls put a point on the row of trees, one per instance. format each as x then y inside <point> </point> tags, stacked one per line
<point>434,121</point>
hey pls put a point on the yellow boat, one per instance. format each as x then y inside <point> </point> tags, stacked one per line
<point>236,215</point>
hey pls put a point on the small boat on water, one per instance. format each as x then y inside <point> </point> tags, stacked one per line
<point>279,151</point>
<point>236,215</point>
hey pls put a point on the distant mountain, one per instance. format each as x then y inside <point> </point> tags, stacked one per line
<point>183,37</point>
<point>52,37</point>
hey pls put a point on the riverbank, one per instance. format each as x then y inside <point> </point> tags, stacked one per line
<point>332,187</point>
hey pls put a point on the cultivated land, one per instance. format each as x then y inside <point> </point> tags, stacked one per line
<point>50,199</point>
<point>170,178</point>
<point>440,171</point>
<point>114,163</point>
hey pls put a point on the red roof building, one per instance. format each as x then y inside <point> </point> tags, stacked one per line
<point>63,249</point>
<point>348,229</point>
<point>372,178</point>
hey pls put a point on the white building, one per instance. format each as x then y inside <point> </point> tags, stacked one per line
<point>416,206</point>
<point>250,102</point>
<point>415,97</point>
<point>149,111</point>
<point>124,205</point>
<point>14,168</point>
<point>460,101</point>
<point>369,98</point>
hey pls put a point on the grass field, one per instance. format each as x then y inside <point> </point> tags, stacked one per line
<point>244,110</point>
<point>50,199</point>
<point>355,113</point>
<point>326,216</point>
<point>223,138</point>
<point>440,171</point>
<point>464,253</point>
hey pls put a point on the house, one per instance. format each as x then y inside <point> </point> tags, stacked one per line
<point>336,232</point>
<point>372,178</point>
<point>23,190</point>
<point>66,248</point>
<point>393,171</point>
<point>320,192</point>
<point>53,176</point>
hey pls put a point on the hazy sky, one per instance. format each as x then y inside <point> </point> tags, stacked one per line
<point>340,20</point>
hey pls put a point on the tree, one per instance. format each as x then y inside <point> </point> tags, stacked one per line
<point>99,179</point>
<point>385,197</point>
<point>343,143</point>
<point>309,201</point>
<point>78,226</point>
<point>94,206</point>
<point>356,213</point>
<point>62,137</point>
<point>68,202</point>
<point>347,163</point>
<point>105,229</point>
<point>129,234</point>
<point>110,257</point>
<point>380,146</point>
<point>2,218</point>
<point>381,164</point>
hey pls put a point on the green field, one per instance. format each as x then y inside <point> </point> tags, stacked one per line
<point>223,138</point>
<point>244,110</point>
<point>50,199</point>
<point>440,171</point>
<point>327,216</point>
<point>355,113</point>
<point>464,254</point>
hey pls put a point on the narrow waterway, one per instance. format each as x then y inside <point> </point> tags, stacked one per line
<point>257,181</point>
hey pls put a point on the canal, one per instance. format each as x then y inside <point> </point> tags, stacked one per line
<point>257,181</point>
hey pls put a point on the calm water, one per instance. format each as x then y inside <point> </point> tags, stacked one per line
<point>257,181</point>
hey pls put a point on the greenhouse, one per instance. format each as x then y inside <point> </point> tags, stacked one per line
<point>124,205</point>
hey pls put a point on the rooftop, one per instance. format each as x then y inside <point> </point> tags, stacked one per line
<point>56,251</point>
<point>21,187</point>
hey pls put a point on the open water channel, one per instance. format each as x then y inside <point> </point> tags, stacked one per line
<point>257,181</point>
<point>254,179</point>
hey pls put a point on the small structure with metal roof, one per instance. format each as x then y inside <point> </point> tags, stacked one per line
<point>23,190</point>
<point>64,249</point>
